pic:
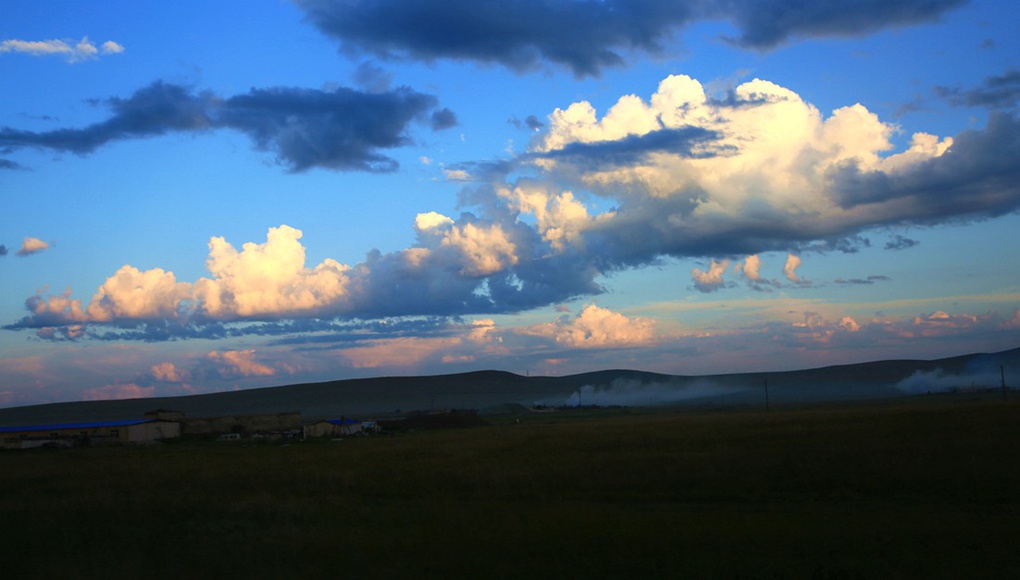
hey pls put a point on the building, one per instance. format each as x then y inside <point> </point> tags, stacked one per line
<point>88,433</point>
<point>333,428</point>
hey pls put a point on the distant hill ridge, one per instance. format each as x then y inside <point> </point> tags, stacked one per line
<point>392,395</point>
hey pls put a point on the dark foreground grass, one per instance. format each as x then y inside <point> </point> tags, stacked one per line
<point>889,491</point>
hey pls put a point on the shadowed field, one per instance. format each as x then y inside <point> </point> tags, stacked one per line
<point>926,488</point>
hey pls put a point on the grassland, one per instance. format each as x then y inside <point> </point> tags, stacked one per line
<point>917,489</point>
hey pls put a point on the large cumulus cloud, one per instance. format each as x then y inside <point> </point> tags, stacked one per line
<point>588,35</point>
<point>758,171</point>
<point>340,129</point>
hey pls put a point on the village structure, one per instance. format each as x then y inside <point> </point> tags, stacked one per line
<point>162,424</point>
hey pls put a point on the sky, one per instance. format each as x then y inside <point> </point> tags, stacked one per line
<point>200,197</point>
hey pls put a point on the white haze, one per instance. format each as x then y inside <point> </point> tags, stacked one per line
<point>635,393</point>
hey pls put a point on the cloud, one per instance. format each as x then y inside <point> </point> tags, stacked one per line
<point>239,363</point>
<point>31,246</point>
<point>342,129</point>
<point>596,327</point>
<point>712,279</point>
<point>8,164</point>
<point>72,51</point>
<point>118,391</point>
<point>790,268</point>
<point>267,279</point>
<point>767,172</point>
<point>767,23</point>
<point>167,372</point>
<point>996,92</point>
<point>900,243</point>
<point>587,36</point>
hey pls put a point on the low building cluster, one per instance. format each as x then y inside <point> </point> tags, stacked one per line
<point>163,424</point>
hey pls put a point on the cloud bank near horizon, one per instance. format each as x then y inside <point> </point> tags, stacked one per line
<point>589,36</point>
<point>686,176</point>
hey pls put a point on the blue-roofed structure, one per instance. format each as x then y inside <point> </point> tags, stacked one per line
<point>82,433</point>
<point>333,428</point>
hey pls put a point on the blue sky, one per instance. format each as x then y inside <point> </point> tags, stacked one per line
<point>202,197</point>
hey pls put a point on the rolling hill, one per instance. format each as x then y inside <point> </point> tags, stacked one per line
<point>382,396</point>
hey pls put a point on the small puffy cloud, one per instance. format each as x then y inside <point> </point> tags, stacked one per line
<point>239,363</point>
<point>596,327</point>
<point>167,372</point>
<point>431,221</point>
<point>71,51</point>
<point>752,268</point>
<point>457,175</point>
<point>118,391</point>
<point>790,268</point>
<point>712,279</point>
<point>900,243</point>
<point>31,246</point>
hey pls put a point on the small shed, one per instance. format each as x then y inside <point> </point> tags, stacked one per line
<point>333,428</point>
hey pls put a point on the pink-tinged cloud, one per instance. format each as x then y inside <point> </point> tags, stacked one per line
<point>31,246</point>
<point>167,372</point>
<point>136,295</point>
<point>597,327</point>
<point>712,279</point>
<point>125,391</point>
<point>239,363</point>
<point>752,268</point>
<point>399,352</point>
<point>790,268</point>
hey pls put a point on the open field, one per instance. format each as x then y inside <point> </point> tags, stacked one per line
<point>926,487</point>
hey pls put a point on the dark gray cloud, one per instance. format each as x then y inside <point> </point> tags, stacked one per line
<point>861,281</point>
<point>996,92</point>
<point>767,23</point>
<point>900,243</point>
<point>684,141</point>
<point>8,164</point>
<point>530,123</point>
<point>372,77</point>
<point>587,36</point>
<point>443,119</point>
<point>978,176</point>
<point>342,129</point>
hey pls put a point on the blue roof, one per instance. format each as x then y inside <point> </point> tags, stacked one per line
<point>343,421</point>
<point>61,426</point>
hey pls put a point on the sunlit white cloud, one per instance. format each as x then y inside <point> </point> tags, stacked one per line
<point>239,363</point>
<point>167,372</point>
<point>70,50</point>
<point>712,279</point>
<point>31,246</point>
<point>117,391</point>
<point>790,268</point>
<point>596,327</point>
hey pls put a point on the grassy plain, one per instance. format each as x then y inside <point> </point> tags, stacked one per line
<point>918,489</point>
